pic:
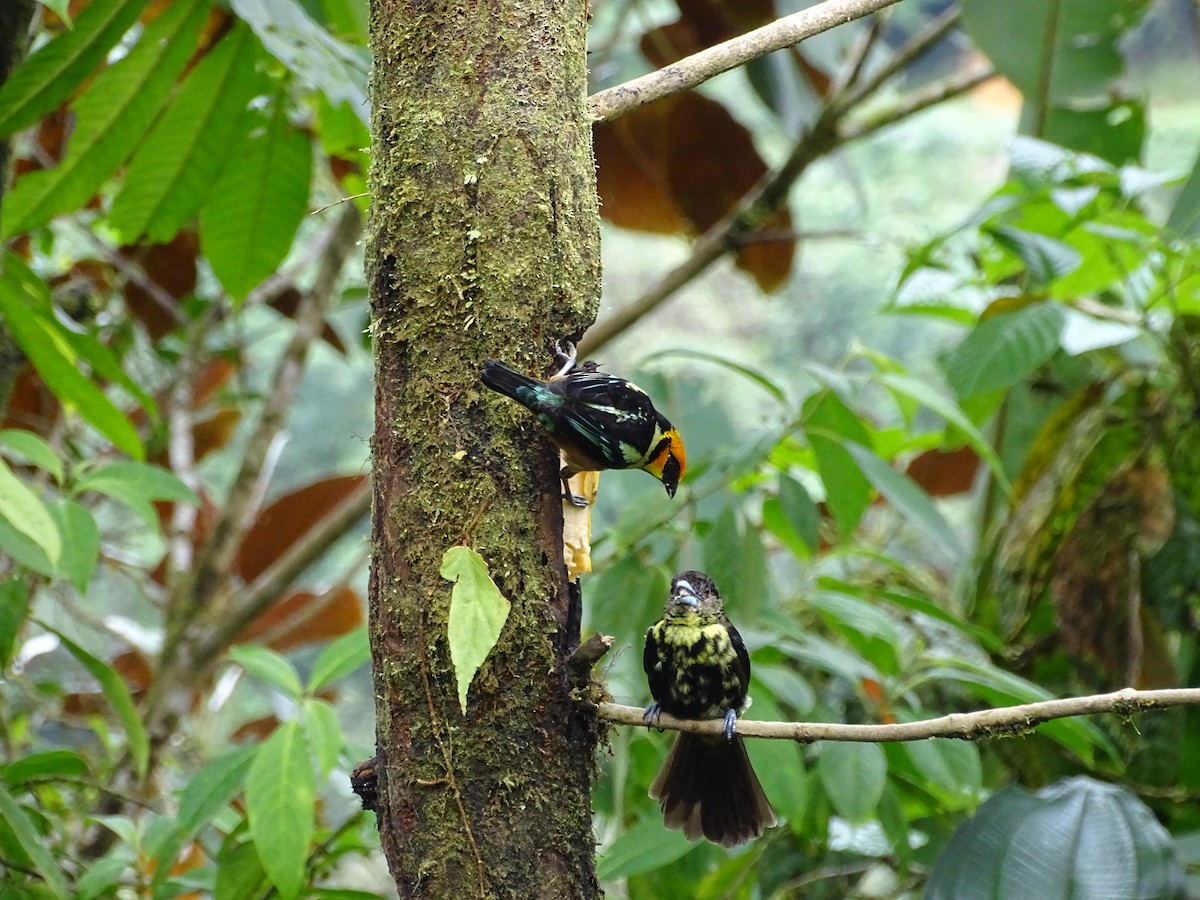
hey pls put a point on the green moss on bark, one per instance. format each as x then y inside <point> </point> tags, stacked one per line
<point>483,241</point>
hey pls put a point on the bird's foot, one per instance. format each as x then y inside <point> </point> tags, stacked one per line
<point>730,725</point>
<point>652,714</point>
<point>564,356</point>
<point>571,497</point>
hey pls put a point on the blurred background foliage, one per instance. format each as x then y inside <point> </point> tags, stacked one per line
<point>923,295</point>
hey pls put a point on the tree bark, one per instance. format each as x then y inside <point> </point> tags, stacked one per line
<point>483,241</point>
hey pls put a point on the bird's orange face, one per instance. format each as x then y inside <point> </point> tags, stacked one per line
<point>669,461</point>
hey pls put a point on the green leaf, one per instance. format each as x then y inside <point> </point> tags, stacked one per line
<point>347,654</point>
<point>32,843</point>
<point>1043,257</point>
<point>174,170</point>
<point>309,51</point>
<point>477,614</point>
<point>111,116</point>
<point>28,314</point>
<point>733,557</point>
<point>24,551</point>
<point>643,848</point>
<point>116,692</point>
<point>1076,838</point>
<point>279,804</point>
<point>136,484</point>
<point>13,610</point>
<point>1004,349</point>
<point>61,8</point>
<point>81,542</point>
<point>240,873</point>
<point>779,764</point>
<point>1185,214</point>
<point>912,502</point>
<point>750,374</point>
<point>853,776</point>
<point>844,612</point>
<point>34,449</point>
<point>27,514</point>
<point>944,406</point>
<point>251,217</point>
<point>103,873</point>
<point>323,733</point>
<point>267,665</point>
<point>847,491</point>
<point>52,74</point>
<point>208,792</point>
<point>49,764</point>
<point>952,770</point>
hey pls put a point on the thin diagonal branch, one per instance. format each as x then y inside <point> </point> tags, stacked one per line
<point>970,726</point>
<point>699,67</point>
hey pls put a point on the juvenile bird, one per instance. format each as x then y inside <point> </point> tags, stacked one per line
<point>698,668</point>
<point>598,421</point>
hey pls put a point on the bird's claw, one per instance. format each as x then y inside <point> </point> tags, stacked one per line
<point>652,714</point>
<point>564,350</point>
<point>571,497</point>
<point>730,725</point>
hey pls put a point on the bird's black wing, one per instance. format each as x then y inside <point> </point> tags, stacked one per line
<point>608,415</point>
<point>741,665</point>
<point>660,681</point>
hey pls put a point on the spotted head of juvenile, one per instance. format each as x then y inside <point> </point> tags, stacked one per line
<point>693,595</point>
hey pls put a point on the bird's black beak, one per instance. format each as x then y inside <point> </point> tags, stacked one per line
<point>671,488</point>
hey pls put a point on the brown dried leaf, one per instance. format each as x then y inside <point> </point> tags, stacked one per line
<point>306,618</point>
<point>944,473</point>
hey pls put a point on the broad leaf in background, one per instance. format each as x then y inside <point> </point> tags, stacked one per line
<point>32,843</point>
<point>50,75</point>
<point>14,606</point>
<point>269,666</point>
<point>30,448</point>
<point>347,654</point>
<point>477,614</point>
<point>111,117</point>
<point>1075,838</point>
<point>853,776</point>
<point>644,847</point>
<point>318,59</point>
<point>828,422</point>
<point>279,804</point>
<point>113,686</point>
<point>136,485</point>
<point>28,316</point>
<point>26,513</point>
<point>174,170</point>
<point>251,217</point>
<point>80,542</point>
<point>1003,349</point>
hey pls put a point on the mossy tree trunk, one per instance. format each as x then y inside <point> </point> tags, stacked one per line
<point>483,242</point>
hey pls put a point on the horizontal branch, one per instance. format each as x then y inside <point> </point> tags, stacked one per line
<point>699,67</point>
<point>964,726</point>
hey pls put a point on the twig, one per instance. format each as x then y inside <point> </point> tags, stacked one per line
<point>963,726</point>
<point>699,67</point>
<point>826,134</point>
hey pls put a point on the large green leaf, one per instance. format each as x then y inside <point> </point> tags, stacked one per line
<point>136,484</point>
<point>347,654</point>
<point>32,843</point>
<point>111,117</point>
<point>1185,214</point>
<point>908,499</point>
<point>1003,349</point>
<point>280,791</point>
<point>828,422</point>
<point>34,449</point>
<point>267,665</point>
<point>853,776</point>
<point>117,693</point>
<point>53,73</point>
<point>28,315</point>
<point>646,846</point>
<point>477,614</point>
<point>27,514</point>
<point>174,170</point>
<point>14,607</point>
<point>80,542</point>
<point>733,557</point>
<point>1075,838</point>
<point>251,217</point>
<point>311,52</point>
<point>208,792</point>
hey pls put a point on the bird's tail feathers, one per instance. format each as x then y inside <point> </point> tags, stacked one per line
<point>508,381</point>
<point>708,788</point>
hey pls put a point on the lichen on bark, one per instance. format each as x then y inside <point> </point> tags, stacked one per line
<point>483,241</point>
